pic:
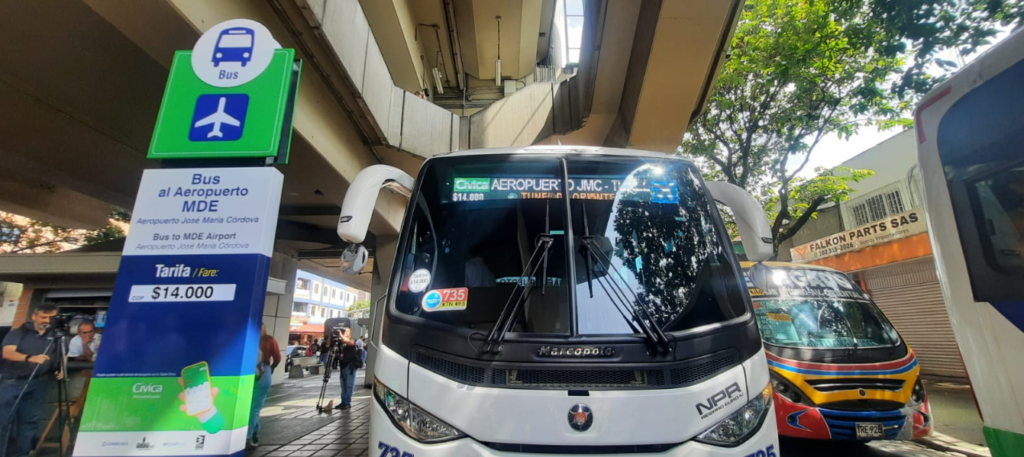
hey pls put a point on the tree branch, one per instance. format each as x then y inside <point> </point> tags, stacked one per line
<point>806,216</point>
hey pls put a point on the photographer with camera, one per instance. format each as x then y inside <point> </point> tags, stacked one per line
<point>24,374</point>
<point>349,363</point>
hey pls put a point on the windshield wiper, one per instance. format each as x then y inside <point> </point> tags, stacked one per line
<point>849,328</point>
<point>652,332</point>
<point>510,312</point>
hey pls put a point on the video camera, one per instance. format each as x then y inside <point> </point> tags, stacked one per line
<point>60,325</point>
<point>333,329</point>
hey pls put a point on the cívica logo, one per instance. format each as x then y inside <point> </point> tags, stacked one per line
<point>141,388</point>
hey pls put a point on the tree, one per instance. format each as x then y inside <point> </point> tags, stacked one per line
<point>359,308</point>
<point>799,70</point>
<point>807,195</point>
<point>19,234</point>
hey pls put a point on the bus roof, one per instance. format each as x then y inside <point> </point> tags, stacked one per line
<point>562,149</point>
<point>789,265</point>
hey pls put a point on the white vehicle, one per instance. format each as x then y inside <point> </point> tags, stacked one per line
<point>612,318</point>
<point>971,153</point>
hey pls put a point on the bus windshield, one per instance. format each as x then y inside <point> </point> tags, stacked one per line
<point>644,240</point>
<point>823,323</point>
<point>811,308</point>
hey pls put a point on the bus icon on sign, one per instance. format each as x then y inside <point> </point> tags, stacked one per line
<point>234,45</point>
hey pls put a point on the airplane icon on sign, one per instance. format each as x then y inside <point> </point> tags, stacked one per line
<point>230,111</point>
<point>218,118</point>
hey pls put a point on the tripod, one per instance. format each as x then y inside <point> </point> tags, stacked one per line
<point>63,409</point>
<point>333,355</point>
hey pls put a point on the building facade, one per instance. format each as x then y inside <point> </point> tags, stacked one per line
<point>880,237</point>
<point>318,299</point>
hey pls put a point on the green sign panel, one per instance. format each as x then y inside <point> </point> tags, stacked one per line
<point>199,120</point>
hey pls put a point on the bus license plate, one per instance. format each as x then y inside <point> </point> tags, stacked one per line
<point>869,430</point>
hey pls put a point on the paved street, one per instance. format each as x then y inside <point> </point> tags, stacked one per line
<point>956,414</point>
<point>292,427</point>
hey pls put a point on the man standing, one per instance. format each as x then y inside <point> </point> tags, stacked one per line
<point>361,349</point>
<point>83,346</point>
<point>347,368</point>
<point>26,350</point>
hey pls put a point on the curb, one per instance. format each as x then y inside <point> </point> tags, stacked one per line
<point>946,443</point>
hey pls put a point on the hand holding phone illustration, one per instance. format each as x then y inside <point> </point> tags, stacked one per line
<point>198,396</point>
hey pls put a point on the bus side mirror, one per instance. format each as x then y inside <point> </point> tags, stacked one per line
<point>353,259</point>
<point>750,219</point>
<point>357,208</point>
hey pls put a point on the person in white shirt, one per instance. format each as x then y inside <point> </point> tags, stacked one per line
<point>84,345</point>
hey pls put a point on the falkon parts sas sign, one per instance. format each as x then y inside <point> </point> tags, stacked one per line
<point>892,228</point>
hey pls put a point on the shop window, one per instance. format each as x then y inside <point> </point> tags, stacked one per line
<point>860,215</point>
<point>877,207</point>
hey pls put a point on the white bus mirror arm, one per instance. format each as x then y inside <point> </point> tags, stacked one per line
<point>750,219</point>
<point>361,197</point>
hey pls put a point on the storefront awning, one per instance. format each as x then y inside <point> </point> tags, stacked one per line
<point>310,328</point>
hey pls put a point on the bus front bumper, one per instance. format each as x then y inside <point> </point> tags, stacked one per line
<point>802,421</point>
<point>386,439</point>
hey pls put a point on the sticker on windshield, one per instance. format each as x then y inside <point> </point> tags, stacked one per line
<point>445,300</point>
<point>419,280</point>
<point>780,327</point>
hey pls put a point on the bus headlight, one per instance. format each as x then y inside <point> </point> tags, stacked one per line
<point>737,428</point>
<point>414,421</point>
<point>918,395</point>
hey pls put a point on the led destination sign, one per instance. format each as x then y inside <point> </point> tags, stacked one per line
<point>582,188</point>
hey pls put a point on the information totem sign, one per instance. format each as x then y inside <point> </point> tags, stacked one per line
<point>176,372</point>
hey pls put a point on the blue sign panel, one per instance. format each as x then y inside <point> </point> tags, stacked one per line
<point>176,374</point>
<point>219,117</point>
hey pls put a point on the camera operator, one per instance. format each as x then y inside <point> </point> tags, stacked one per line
<point>348,366</point>
<point>26,350</point>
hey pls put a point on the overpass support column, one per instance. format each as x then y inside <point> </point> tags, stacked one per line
<point>277,309</point>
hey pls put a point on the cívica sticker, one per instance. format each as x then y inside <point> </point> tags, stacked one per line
<point>419,280</point>
<point>445,300</point>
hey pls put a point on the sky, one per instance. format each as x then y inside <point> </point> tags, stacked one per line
<point>832,150</point>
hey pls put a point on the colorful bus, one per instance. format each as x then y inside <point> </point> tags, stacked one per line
<point>559,300</point>
<point>970,134</point>
<point>839,369</point>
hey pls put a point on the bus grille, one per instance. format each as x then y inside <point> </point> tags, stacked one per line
<point>843,424</point>
<point>838,384</point>
<point>544,376</point>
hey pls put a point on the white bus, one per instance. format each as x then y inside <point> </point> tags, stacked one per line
<point>612,318</point>
<point>970,133</point>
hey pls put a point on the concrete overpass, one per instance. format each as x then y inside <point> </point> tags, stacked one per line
<point>81,81</point>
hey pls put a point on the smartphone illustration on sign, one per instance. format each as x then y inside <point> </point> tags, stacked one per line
<point>198,394</point>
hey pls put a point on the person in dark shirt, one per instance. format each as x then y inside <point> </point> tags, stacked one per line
<point>29,361</point>
<point>347,368</point>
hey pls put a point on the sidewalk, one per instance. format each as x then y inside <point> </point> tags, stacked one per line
<point>955,412</point>
<point>957,424</point>
<point>291,426</point>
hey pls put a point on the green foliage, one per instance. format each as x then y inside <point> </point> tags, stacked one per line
<point>359,308</point>
<point>830,185</point>
<point>799,70</point>
<point>23,235</point>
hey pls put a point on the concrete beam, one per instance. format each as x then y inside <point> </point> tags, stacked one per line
<point>57,205</point>
<point>667,84</point>
<point>395,28</point>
